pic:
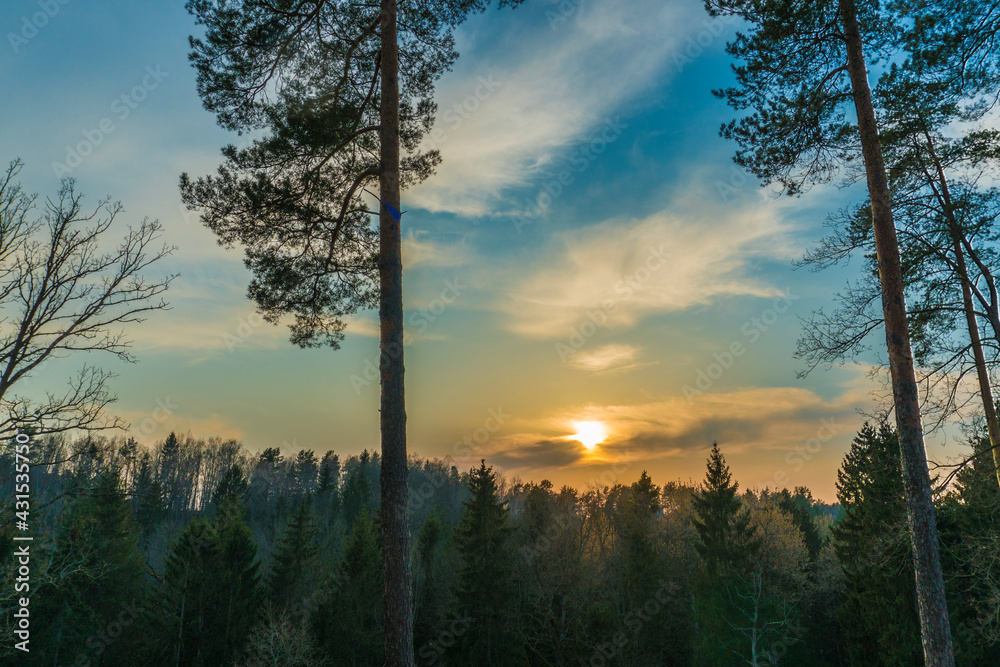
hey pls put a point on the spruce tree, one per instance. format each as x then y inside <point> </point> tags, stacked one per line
<point>348,626</point>
<point>486,594</point>
<point>727,546</point>
<point>211,585</point>
<point>878,611</point>
<point>295,570</point>
<point>95,573</point>
<point>232,486</point>
<point>802,78</point>
<point>726,537</point>
<point>345,91</point>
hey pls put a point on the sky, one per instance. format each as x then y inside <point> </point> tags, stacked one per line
<point>592,287</point>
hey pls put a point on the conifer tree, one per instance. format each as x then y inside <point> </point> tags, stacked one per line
<point>211,584</point>
<point>96,571</point>
<point>345,90</point>
<point>295,570</point>
<point>878,612</point>
<point>724,531</point>
<point>485,590</point>
<point>232,486</point>
<point>803,75</point>
<point>348,627</point>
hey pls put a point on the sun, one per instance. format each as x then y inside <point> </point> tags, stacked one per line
<point>589,434</point>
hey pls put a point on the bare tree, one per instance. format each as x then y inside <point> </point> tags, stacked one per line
<point>63,294</point>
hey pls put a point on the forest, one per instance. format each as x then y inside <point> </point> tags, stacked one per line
<point>118,548</point>
<point>198,552</point>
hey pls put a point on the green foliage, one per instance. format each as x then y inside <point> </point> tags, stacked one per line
<point>878,614</point>
<point>348,625</point>
<point>94,575</point>
<point>726,536</point>
<point>525,574</point>
<point>485,591</point>
<point>211,590</point>
<point>296,567</point>
<point>233,486</point>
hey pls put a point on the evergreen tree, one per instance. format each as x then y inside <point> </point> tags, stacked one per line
<point>211,590</point>
<point>295,571</point>
<point>803,79</point>
<point>95,574</point>
<point>430,596</point>
<point>726,537</point>
<point>728,549</point>
<point>345,90</point>
<point>486,593</point>
<point>878,613</point>
<point>232,486</point>
<point>348,626</point>
<point>970,534</point>
<point>798,506</point>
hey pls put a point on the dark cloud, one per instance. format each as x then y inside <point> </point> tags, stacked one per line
<point>554,453</point>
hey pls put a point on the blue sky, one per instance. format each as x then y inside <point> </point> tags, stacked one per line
<point>586,250</point>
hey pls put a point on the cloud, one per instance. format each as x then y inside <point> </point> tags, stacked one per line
<point>506,115</point>
<point>619,271</point>
<point>612,357</point>
<point>421,252</point>
<point>776,419</point>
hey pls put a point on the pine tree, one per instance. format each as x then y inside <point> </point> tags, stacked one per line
<point>878,612</point>
<point>95,573</point>
<point>727,546</point>
<point>348,627</point>
<point>232,486</point>
<point>486,592</point>
<point>211,590</point>
<point>294,572</point>
<point>345,90</point>
<point>803,78</point>
<point>726,537</point>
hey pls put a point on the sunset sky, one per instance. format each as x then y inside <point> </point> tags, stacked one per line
<point>586,251</point>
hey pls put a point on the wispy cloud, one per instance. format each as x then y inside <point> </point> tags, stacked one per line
<point>757,419</point>
<point>608,267</point>
<point>612,357</point>
<point>418,251</point>
<point>506,115</point>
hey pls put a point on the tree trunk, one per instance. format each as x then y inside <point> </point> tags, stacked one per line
<point>933,607</point>
<point>975,341</point>
<point>395,525</point>
<point>985,391</point>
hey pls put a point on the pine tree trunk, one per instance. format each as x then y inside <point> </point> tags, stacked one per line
<point>975,341</point>
<point>933,607</point>
<point>985,391</point>
<point>398,610</point>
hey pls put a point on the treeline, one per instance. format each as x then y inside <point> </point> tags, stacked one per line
<point>201,553</point>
